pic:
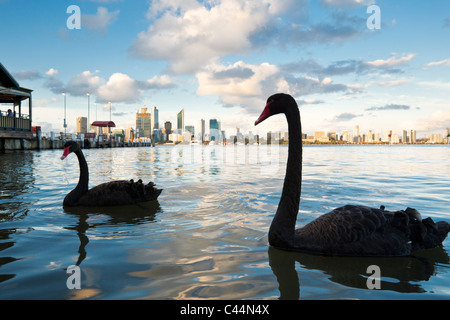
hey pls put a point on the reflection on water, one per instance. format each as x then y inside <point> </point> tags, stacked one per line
<point>402,274</point>
<point>131,215</point>
<point>206,236</point>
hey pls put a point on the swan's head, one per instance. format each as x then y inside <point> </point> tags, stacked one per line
<point>69,147</point>
<point>278,103</point>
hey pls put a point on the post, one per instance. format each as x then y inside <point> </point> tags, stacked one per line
<point>88,123</point>
<point>65,124</point>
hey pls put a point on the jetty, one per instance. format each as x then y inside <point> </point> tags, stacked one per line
<point>18,133</point>
<point>15,112</point>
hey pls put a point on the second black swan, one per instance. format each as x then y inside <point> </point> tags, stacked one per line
<point>114,193</point>
<point>350,230</point>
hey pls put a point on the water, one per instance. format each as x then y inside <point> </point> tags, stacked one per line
<point>206,237</point>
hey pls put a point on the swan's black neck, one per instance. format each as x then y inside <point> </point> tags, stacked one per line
<point>83,183</point>
<point>282,230</point>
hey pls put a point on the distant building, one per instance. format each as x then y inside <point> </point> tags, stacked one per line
<point>201,130</point>
<point>130,134</point>
<point>214,130</point>
<point>319,135</point>
<point>413,139</point>
<point>154,119</point>
<point>81,125</point>
<point>180,120</point>
<point>168,127</point>
<point>143,124</point>
<point>190,129</point>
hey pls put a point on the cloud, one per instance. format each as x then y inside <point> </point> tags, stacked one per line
<point>99,21</point>
<point>51,72</point>
<point>159,82</point>
<point>349,66</point>
<point>190,35</point>
<point>393,61</point>
<point>238,90</point>
<point>85,82</point>
<point>437,121</point>
<point>119,88</point>
<point>345,117</point>
<point>27,75</point>
<point>346,3</point>
<point>390,107</point>
<point>447,22</point>
<point>445,62</point>
<point>53,83</point>
<point>233,89</point>
<point>309,101</point>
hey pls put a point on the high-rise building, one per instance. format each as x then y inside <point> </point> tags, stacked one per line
<point>180,120</point>
<point>214,130</point>
<point>190,129</point>
<point>200,130</point>
<point>154,119</point>
<point>413,137</point>
<point>81,125</point>
<point>143,124</point>
<point>405,136</point>
<point>168,127</point>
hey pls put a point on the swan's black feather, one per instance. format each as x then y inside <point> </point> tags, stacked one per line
<point>114,193</point>
<point>349,230</point>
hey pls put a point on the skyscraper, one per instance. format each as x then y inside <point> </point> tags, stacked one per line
<point>413,136</point>
<point>168,127</point>
<point>154,119</point>
<point>214,132</point>
<point>180,121</point>
<point>200,130</point>
<point>143,124</point>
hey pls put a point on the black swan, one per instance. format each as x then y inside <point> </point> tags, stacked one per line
<point>114,193</point>
<point>346,231</point>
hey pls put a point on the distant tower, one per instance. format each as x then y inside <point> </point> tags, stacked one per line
<point>143,123</point>
<point>214,130</point>
<point>168,127</point>
<point>154,119</point>
<point>201,130</point>
<point>180,120</point>
<point>413,136</point>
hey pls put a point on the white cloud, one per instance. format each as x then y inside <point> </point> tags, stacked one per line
<point>437,121</point>
<point>190,35</point>
<point>445,62</point>
<point>99,21</point>
<point>235,90</point>
<point>52,72</point>
<point>119,88</point>
<point>85,82</point>
<point>347,3</point>
<point>159,82</point>
<point>390,62</point>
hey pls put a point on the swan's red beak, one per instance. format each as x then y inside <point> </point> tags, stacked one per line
<point>265,114</point>
<point>65,153</point>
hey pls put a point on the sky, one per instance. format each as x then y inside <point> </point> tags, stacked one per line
<point>382,65</point>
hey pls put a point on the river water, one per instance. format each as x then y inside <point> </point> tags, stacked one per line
<point>206,237</point>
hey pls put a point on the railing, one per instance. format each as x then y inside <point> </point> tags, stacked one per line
<point>14,123</point>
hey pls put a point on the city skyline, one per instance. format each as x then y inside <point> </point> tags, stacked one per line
<point>341,66</point>
<point>358,136</point>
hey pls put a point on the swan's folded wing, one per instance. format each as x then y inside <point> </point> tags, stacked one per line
<point>357,230</point>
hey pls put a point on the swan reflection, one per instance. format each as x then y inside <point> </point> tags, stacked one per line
<point>131,215</point>
<point>400,274</point>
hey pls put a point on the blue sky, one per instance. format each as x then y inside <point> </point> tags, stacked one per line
<point>223,58</point>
